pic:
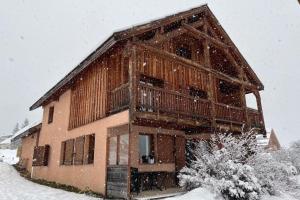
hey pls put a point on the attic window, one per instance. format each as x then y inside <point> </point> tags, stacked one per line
<point>193,18</point>
<point>50,114</point>
<point>173,26</point>
<point>184,51</point>
<point>147,35</point>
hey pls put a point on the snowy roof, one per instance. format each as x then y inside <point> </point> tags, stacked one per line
<point>22,132</point>
<point>263,141</point>
<point>126,34</point>
<point>266,141</point>
<point>6,141</point>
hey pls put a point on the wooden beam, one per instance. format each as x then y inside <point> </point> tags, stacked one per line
<point>161,37</point>
<point>217,74</point>
<point>125,34</point>
<point>200,35</point>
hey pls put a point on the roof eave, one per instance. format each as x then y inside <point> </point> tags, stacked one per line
<point>89,59</point>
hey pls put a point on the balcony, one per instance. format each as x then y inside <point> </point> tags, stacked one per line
<point>230,113</point>
<point>255,118</point>
<point>162,102</point>
<point>167,102</point>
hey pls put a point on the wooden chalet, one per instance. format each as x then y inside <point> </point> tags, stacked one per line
<point>123,115</point>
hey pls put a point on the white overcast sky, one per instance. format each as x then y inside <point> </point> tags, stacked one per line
<point>41,41</point>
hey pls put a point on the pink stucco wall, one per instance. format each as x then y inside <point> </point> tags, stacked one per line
<point>91,176</point>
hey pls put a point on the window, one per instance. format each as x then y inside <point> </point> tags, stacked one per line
<point>78,151</point>
<point>184,51</point>
<point>123,149</point>
<point>41,155</point>
<point>198,93</point>
<point>50,114</point>
<point>118,150</point>
<point>112,159</point>
<point>90,143</point>
<point>146,148</point>
<point>151,81</point>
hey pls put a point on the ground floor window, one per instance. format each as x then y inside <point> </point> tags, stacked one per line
<point>78,151</point>
<point>118,149</point>
<point>146,148</point>
<point>156,148</point>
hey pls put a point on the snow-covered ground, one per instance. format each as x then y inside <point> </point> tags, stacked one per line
<point>204,194</point>
<point>8,156</point>
<point>15,187</point>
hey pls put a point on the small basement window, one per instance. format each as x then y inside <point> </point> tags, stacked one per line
<point>50,114</point>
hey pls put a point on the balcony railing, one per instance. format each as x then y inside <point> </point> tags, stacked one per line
<point>255,118</point>
<point>154,99</point>
<point>167,102</point>
<point>119,98</point>
<point>230,113</point>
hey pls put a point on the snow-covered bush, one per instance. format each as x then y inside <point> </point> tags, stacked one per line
<point>294,151</point>
<point>236,168</point>
<point>273,174</point>
<point>222,167</point>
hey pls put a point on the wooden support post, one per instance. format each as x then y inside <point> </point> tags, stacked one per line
<point>244,105</point>
<point>132,84</point>
<point>259,107</point>
<point>211,95</point>
<point>132,105</point>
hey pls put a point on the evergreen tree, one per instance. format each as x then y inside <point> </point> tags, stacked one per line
<point>16,129</point>
<point>25,123</point>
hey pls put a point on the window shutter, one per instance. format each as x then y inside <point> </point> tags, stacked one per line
<point>79,150</point>
<point>165,148</point>
<point>180,144</point>
<point>62,153</point>
<point>69,150</point>
<point>37,156</point>
<point>46,155</point>
<point>89,146</point>
<point>41,155</point>
<point>91,149</point>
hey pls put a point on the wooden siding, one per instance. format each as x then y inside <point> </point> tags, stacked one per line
<point>117,182</point>
<point>176,75</point>
<point>91,91</point>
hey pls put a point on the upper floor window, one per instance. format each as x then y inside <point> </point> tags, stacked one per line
<point>50,114</point>
<point>184,51</point>
<point>151,81</point>
<point>198,93</point>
